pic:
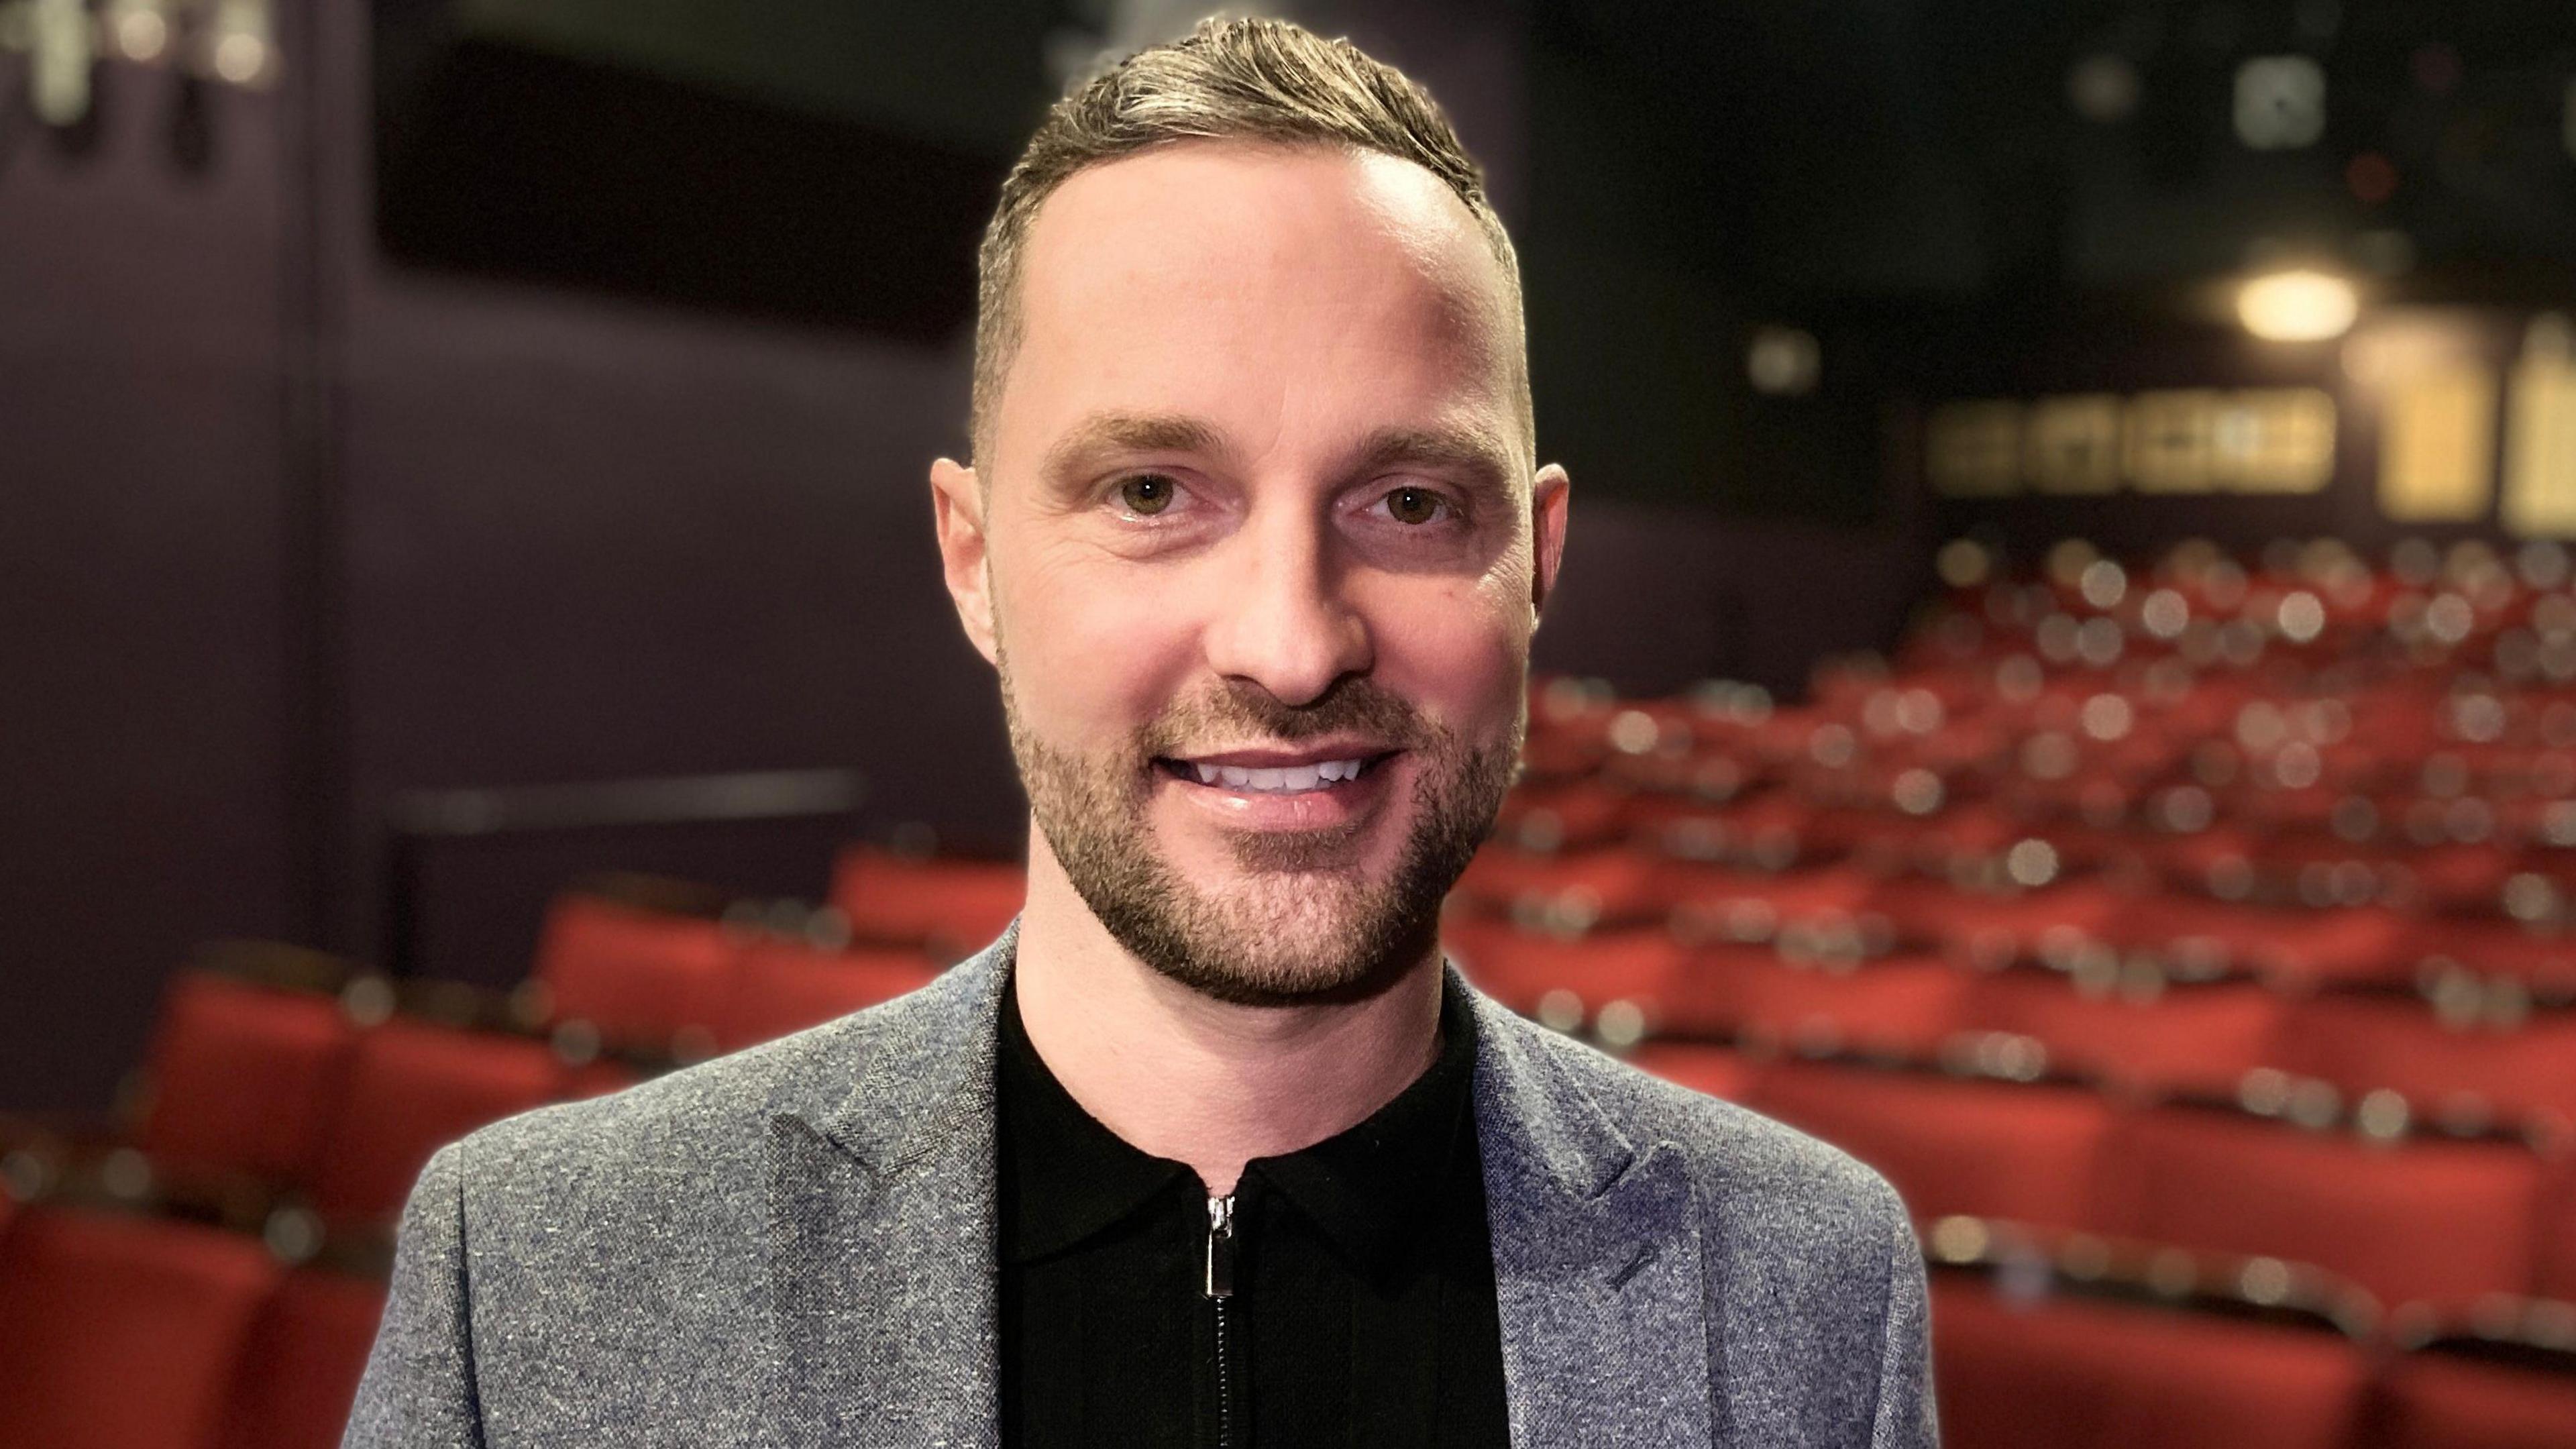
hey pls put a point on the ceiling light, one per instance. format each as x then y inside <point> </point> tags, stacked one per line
<point>2297,306</point>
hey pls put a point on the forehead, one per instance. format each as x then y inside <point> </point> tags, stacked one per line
<point>1277,292</point>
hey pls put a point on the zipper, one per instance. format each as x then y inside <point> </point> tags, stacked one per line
<point>1220,1294</point>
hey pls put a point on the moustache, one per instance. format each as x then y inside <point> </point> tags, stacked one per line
<point>1242,712</point>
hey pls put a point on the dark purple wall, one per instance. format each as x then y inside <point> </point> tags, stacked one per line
<point>146,677</point>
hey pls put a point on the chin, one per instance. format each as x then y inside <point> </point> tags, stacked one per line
<point>1283,938</point>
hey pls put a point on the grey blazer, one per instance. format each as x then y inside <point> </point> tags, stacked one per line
<point>793,1246</point>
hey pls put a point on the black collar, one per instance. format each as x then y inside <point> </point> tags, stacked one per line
<point>1368,1189</point>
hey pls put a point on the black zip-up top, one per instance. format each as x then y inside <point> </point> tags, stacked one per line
<point>1340,1295</point>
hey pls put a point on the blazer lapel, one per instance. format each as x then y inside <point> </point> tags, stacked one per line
<point>1597,1258</point>
<point>881,1221</point>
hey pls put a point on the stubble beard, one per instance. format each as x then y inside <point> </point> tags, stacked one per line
<point>1304,924</point>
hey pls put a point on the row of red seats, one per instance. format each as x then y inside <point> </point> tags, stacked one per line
<point>693,986</point>
<point>340,1095</point>
<point>2155,1037</point>
<point>2336,600</point>
<point>2457,852</point>
<point>1990,918</point>
<point>288,1087</point>
<point>2409,1216</point>
<point>124,1331</point>
<point>948,906</point>
<point>2020,1363</point>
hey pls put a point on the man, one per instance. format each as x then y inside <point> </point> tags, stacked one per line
<point>1211,1146</point>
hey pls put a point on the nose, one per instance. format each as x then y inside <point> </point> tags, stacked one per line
<point>1283,619</point>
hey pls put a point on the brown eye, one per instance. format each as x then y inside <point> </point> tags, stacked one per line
<point>1413,505</point>
<point>1146,493</point>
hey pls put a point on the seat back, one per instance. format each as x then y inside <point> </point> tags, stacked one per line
<point>2428,1220</point>
<point>1522,969</point>
<point>2557,1266</point>
<point>1989,1149</point>
<point>306,1351</point>
<point>242,1077</point>
<point>1718,1071</point>
<point>121,1331</point>
<point>640,976</point>
<point>948,906</point>
<point>2198,1039</point>
<point>2435,1399</point>
<point>2072,1373</point>
<point>2366,1043</point>
<point>784,986</point>
<point>1904,1004</point>
<point>414,1088</point>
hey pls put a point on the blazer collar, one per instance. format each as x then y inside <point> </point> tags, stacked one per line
<point>930,1075</point>
<point>881,1223</point>
<point>883,1269</point>
<point>1598,1263</point>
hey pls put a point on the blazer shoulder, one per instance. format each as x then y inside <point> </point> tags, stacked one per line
<point>698,1120</point>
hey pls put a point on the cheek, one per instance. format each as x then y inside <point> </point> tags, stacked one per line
<point>1460,649</point>
<point>1091,657</point>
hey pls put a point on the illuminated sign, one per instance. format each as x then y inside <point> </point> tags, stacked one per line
<point>2190,440</point>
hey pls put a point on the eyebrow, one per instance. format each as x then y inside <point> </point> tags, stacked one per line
<point>1477,454</point>
<point>1102,436</point>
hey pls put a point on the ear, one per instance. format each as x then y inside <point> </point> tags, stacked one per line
<point>1548,502</point>
<point>957,502</point>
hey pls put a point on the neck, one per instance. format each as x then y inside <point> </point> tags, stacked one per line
<point>1209,1083</point>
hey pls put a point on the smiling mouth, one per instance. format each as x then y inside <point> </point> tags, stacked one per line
<point>1273,779</point>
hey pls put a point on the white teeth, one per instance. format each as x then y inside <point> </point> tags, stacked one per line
<point>1285,780</point>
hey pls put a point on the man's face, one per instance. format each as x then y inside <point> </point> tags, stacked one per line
<point>1258,554</point>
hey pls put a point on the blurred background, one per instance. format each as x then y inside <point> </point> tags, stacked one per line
<point>2065,680</point>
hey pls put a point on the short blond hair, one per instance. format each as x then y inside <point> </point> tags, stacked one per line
<point>1247,79</point>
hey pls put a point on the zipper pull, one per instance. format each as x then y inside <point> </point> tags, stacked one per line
<point>1220,1250</point>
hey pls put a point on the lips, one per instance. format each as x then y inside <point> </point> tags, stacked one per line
<point>1273,772</point>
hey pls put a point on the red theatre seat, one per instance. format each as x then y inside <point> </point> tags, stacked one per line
<point>2185,1039</point>
<point>2420,1219</point>
<point>1718,1071</point>
<point>1997,926</point>
<point>1610,886</point>
<point>1753,905</point>
<point>299,1374</point>
<point>2492,946</point>
<point>784,987</point>
<point>599,1077</point>
<point>2071,1373</point>
<point>243,1077</point>
<point>952,907</point>
<point>121,1332</point>
<point>2362,1044</point>
<point>1560,815</point>
<point>1520,968</point>
<point>639,976</point>
<point>415,1088</point>
<point>1900,1004</point>
<point>1982,1148</point>
<point>2558,1232</point>
<point>2440,1400</point>
<point>2355,945</point>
